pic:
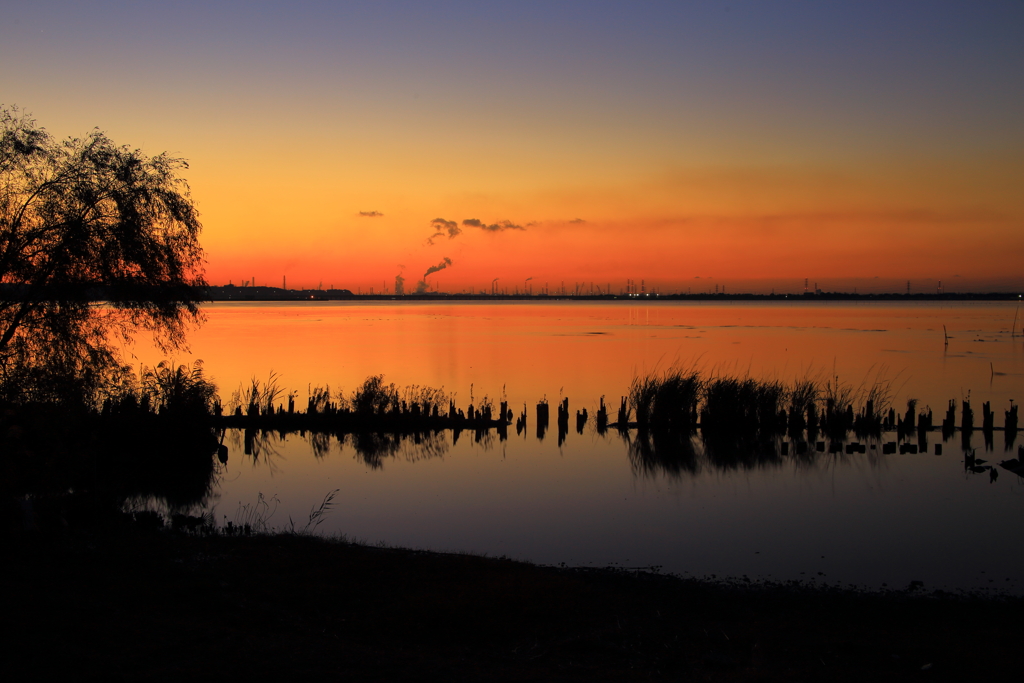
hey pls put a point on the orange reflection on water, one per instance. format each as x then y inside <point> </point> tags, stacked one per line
<point>585,350</point>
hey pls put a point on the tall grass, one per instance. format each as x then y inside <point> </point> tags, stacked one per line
<point>803,397</point>
<point>319,400</point>
<point>255,518</point>
<point>316,515</point>
<point>730,403</point>
<point>425,400</point>
<point>743,405</point>
<point>257,398</point>
<point>668,401</point>
<point>182,391</point>
<point>838,418</point>
<point>374,397</point>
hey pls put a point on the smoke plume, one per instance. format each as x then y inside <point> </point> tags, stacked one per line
<point>421,286</point>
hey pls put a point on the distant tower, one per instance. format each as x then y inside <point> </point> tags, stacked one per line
<point>939,289</point>
<point>643,288</point>
<point>805,285</point>
<point>908,287</point>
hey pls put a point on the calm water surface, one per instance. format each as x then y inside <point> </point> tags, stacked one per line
<point>867,519</point>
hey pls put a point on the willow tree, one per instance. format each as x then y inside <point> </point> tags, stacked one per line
<point>98,242</point>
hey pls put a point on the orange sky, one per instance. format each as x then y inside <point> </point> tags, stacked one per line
<point>849,143</point>
<point>897,222</point>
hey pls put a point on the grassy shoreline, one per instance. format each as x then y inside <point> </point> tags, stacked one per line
<point>137,604</point>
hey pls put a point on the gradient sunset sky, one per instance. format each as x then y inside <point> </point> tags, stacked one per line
<point>745,144</point>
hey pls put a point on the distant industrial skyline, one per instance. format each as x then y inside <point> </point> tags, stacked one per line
<point>640,287</point>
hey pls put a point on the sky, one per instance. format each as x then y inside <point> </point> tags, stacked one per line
<point>685,145</point>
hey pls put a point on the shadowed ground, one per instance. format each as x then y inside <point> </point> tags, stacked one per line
<point>133,604</point>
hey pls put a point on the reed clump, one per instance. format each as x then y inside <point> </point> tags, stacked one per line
<point>258,397</point>
<point>668,401</point>
<point>803,399</point>
<point>319,400</point>
<point>375,397</point>
<point>183,392</point>
<point>743,406</point>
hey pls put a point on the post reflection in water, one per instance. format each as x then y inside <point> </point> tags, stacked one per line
<point>691,505</point>
<point>795,502</point>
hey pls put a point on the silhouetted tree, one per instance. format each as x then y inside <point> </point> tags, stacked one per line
<point>97,242</point>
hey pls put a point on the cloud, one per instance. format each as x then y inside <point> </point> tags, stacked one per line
<point>370,214</point>
<point>442,224</point>
<point>442,227</point>
<point>500,226</point>
<point>577,221</point>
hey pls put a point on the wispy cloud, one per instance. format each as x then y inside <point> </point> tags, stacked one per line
<point>500,226</point>
<point>444,227</point>
<point>370,214</point>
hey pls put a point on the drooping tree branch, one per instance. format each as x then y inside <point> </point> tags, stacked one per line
<point>83,218</point>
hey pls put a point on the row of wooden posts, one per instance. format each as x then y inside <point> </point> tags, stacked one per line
<point>795,422</point>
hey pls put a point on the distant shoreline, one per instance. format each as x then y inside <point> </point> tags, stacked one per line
<point>233,293</point>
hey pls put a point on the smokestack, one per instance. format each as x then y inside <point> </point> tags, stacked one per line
<point>421,286</point>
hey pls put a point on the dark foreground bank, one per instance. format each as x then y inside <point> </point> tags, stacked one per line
<point>151,605</point>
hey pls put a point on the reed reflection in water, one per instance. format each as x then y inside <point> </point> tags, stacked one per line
<point>683,503</point>
<point>771,505</point>
<point>262,447</point>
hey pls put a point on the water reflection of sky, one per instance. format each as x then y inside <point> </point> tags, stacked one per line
<point>864,518</point>
<point>546,349</point>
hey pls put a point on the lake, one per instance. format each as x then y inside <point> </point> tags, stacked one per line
<point>867,519</point>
